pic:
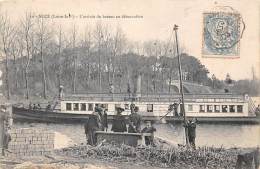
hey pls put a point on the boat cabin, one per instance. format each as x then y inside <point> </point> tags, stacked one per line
<point>195,105</point>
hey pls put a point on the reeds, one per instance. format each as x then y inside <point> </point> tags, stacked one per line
<point>179,157</point>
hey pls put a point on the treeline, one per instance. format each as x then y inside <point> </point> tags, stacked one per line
<point>40,56</point>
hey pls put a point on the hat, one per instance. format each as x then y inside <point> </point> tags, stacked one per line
<point>119,109</point>
<point>98,109</point>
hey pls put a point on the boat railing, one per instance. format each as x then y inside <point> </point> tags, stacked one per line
<point>156,97</point>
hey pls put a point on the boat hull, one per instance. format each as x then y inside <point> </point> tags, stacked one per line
<point>27,115</point>
<point>21,114</point>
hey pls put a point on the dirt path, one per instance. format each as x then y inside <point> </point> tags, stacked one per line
<point>67,163</point>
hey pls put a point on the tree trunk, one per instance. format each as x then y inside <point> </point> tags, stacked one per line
<point>75,74</point>
<point>147,82</point>
<point>43,72</point>
<point>162,81</point>
<point>59,61</point>
<point>99,69</point>
<point>27,67</point>
<point>15,74</point>
<point>7,76</point>
<point>26,83</point>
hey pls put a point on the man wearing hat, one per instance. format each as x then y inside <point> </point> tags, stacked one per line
<point>91,126</point>
<point>135,118</point>
<point>119,122</point>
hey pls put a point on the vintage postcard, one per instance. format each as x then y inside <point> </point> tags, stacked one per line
<point>129,84</point>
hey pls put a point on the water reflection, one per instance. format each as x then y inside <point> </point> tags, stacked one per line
<point>217,135</point>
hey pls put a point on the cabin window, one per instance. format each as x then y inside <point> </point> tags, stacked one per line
<point>232,108</point>
<point>239,108</point>
<point>190,107</point>
<point>68,106</point>
<point>126,106</point>
<point>90,107</point>
<point>209,108</point>
<point>224,108</point>
<point>202,108</point>
<point>117,106</point>
<point>75,106</point>
<point>83,107</point>
<point>149,107</point>
<point>216,108</point>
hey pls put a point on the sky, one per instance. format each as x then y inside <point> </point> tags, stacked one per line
<point>156,22</point>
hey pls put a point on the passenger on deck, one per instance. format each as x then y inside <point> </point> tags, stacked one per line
<point>30,105</point>
<point>39,106</point>
<point>135,118</point>
<point>119,122</point>
<point>91,126</point>
<point>48,108</point>
<point>34,107</point>
<point>149,140</point>
<point>175,109</point>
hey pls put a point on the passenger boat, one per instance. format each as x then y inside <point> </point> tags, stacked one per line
<point>205,107</point>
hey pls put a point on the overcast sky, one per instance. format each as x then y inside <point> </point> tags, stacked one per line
<point>159,16</point>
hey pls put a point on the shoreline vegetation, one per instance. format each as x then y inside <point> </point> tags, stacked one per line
<point>106,155</point>
<point>126,157</point>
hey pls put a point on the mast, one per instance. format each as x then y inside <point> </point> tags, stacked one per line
<point>181,85</point>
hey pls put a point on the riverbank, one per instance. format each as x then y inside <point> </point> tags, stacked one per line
<point>123,156</point>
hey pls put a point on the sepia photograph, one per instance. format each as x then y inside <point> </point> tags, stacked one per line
<point>148,84</point>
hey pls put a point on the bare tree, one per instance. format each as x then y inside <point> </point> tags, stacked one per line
<point>87,44</point>
<point>7,38</point>
<point>43,35</point>
<point>15,52</point>
<point>60,46</point>
<point>117,43</point>
<point>75,57</point>
<point>99,33</point>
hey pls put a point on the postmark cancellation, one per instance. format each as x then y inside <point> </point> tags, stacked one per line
<point>221,34</point>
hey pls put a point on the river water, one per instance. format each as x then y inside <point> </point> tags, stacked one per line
<point>217,135</point>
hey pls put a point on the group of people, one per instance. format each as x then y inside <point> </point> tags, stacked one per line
<point>38,107</point>
<point>34,106</point>
<point>98,122</point>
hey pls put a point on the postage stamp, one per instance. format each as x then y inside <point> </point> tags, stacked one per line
<point>221,34</point>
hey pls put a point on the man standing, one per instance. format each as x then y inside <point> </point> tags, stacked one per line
<point>91,127</point>
<point>257,110</point>
<point>191,127</point>
<point>104,120</point>
<point>149,140</point>
<point>119,122</point>
<point>135,118</point>
<point>5,126</point>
